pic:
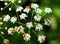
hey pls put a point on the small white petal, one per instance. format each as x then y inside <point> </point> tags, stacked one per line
<point>13,19</point>
<point>5,28</point>
<point>20,29</point>
<point>23,16</point>
<point>27,37</point>
<point>19,9</point>
<point>26,10</point>
<point>1,0</point>
<point>12,1</point>
<point>41,38</point>
<point>2,32</point>
<point>1,23</point>
<point>48,10</point>
<point>19,1</point>
<point>9,9</point>
<point>11,31</point>
<point>37,17</point>
<point>47,22</point>
<point>38,27</point>
<point>1,9</point>
<point>6,18</point>
<point>29,24</point>
<point>5,3</point>
<point>38,11</point>
<point>5,41</point>
<point>35,6</point>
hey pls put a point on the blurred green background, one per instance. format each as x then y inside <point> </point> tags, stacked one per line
<point>53,33</point>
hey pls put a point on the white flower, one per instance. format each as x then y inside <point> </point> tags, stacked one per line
<point>47,22</point>
<point>41,38</point>
<point>6,28</point>
<point>1,0</point>
<point>2,32</point>
<point>48,10</point>
<point>19,1</point>
<point>29,24</point>
<point>19,9</point>
<point>13,19</point>
<point>1,23</point>
<point>12,1</point>
<point>9,9</point>
<point>23,16</point>
<point>20,29</point>
<point>1,9</point>
<point>6,18</point>
<point>38,27</point>
<point>37,17</point>
<point>11,31</point>
<point>26,10</point>
<point>38,11</point>
<point>34,6</point>
<point>27,37</point>
<point>5,3</point>
<point>6,41</point>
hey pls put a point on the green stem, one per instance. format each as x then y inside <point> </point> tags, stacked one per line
<point>20,23</point>
<point>18,17</point>
<point>11,5</point>
<point>34,32</point>
<point>7,5</point>
<point>29,33</point>
<point>32,15</point>
<point>26,42</point>
<point>1,36</point>
<point>17,13</point>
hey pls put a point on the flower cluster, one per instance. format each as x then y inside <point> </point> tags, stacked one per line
<point>33,22</point>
